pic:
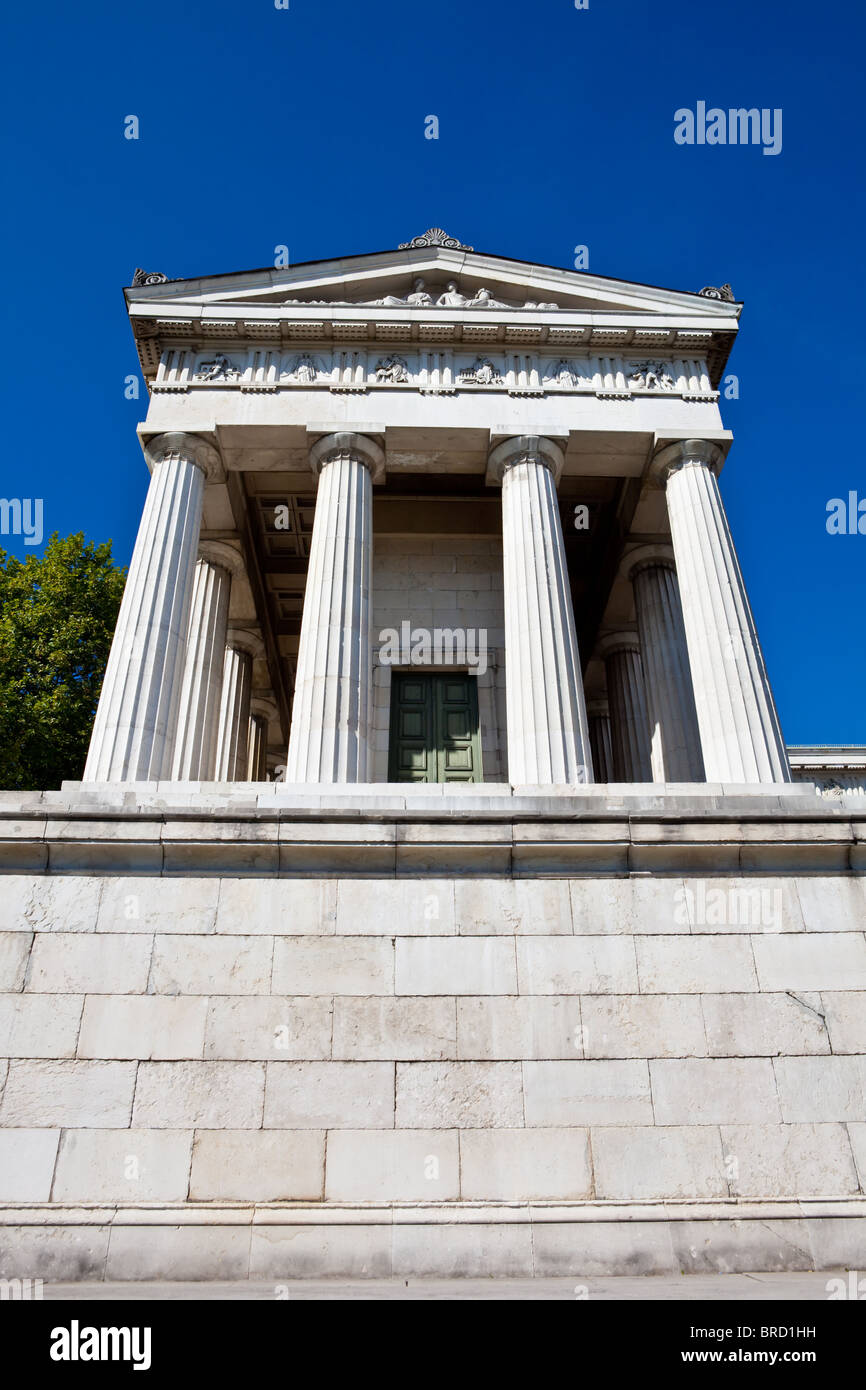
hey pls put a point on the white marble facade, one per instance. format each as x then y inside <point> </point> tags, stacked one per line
<point>356,376</point>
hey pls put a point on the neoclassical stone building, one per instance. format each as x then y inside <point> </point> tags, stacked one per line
<point>438,896</point>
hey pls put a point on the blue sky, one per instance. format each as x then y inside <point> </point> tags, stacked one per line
<point>305,127</point>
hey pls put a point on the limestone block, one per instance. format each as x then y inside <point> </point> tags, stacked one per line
<point>763,1025</point>
<point>277,907</point>
<point>129,1165</point>
<point>258,1165</point>
<point>286,1252</point>
<point>733,905</point>
<point>723,1247</point>
<point>857,1135</point>
<point>386,907</point>
<point>829,960</point>
<point>789,1161</point>
<point>333,965</point>
<point>407,1029</point>
<point>64,963</point>
<point>268,1029</point>
<point>210,1095</point>
<point>537,1026</point>
<point>14,954</point>
<point>629,1025</point>
<point>175,905</point>
<point>485,907</point>
<point>39,1025</point>
<point>57,1252</point>
<point>455,1095</point>
<point>715,1091</point>
<point>69,1094</point>
<point>392,1165</point>
<point>628,905</point>
<point>846,1019</point>
<point>472,965</point>
<point>27,1165</point>
<point>212,964</point>
<point>325,1095</point>
<point>142,1027</point>
<point>834,903</point>
<point>821,1088</point>
<point>649,1162</point>
<point>672,965</point>
<point>589,1248</point>
<point>143,1253</point>
<point>478,1251</point>
<point>587,1093</point>
<point>46,902</point>
<point>512,1165</point>
<point>584,965</point>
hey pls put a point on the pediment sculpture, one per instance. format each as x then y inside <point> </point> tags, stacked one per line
<point>217,368</point>
<point>482,373</point>
<point>392,369</point>
<point>651,376</point>
<point>419,297</point>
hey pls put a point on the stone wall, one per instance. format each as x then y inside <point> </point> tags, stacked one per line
<point>442,582</point>
<point>459,1074</point>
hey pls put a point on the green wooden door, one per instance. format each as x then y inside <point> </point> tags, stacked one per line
<point>434,729</point>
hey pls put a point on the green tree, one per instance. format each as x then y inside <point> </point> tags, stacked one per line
<point>57,616</point>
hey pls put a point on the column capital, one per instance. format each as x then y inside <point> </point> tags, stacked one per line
<point>648,557</point>
<point>613,642</point>
<point>524,448</point>
<point>190,447</point>
<point>359,447</point>
<point>685,453</point>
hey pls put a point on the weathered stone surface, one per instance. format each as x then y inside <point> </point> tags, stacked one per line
<point>27,1165</point>
<point>392,1165</point>
<point>459,1095</point>
<point>510,1029</point>
<point>143,1027</point>
<point>277,907</point>
<point>39,1025</point>
<point>588,965</point>
<point>190,1252</point>
<point>695,965</point>
<point>845,1013</point>
<point>588,1248</point>
<point>431,965</point>
<point>257,1165</point>
<point>64,963</point>
<point>647,1162</point>
<point>70,1095</point>
<point>212,965</point>
<point>474,1251</point>
<point>130,1165</point>
<point>741,905</point>
<point>512,1165</point>
<point>150,904</point>
<point>324,1095</point>
<point>385,907</point>
<point>268,1029</point>
<point>189,1095</point>
<point>628,905</point>
<point>14,953</point>
<point>59,1252</point>
<point>821,1088</point>
<point>829,960</point>
<point>404,1029</point>
<point>313,1252</point>
<point>62,902</point>
<point>763,1025</point>
<point>629,1025</point>
<point>799,1160</point>
<point>486,907</point>
<point>834,903</point>
<point>714,1091</point>
<point>587,1093</point>
<point>333,965</point>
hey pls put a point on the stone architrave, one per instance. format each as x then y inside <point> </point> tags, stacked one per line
<point>673,722</point>
<point>626,694</point>
<point>329,737</point>
<point>133,733</point>
<point>548,734</point>
<point>741,737</point>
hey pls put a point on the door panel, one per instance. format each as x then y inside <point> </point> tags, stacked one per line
<point>434,729</point>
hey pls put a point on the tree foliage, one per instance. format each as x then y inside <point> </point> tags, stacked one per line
<point>57,617</point>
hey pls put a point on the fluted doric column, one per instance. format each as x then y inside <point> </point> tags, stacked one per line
<point>257,761</point>
<point>673,722</point>
<point>626,696</point>
<point>329,738</point>
<point>234,715</point>
<point>548,736</point>
<point>598,715</point>
<point>133,733</point>
<point>741,737</point>
<point>198,715</point>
